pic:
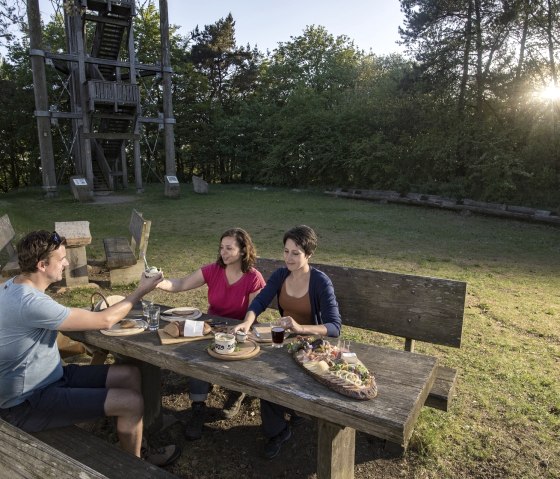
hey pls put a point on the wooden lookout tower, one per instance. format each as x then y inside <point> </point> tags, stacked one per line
<point>105,104</point>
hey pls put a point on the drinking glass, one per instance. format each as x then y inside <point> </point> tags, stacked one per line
<point>277,333</point>
<point>153,318</point>
<point>146,305</point>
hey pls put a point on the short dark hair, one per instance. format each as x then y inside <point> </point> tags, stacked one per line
<point>304,237</point>
<point>37,246</point>
<point>245,243</point>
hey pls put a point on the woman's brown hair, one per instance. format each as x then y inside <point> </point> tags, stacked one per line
<point>245,243</point>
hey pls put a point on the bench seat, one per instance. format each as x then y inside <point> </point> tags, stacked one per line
<point>99,455</point>
<point>118,253</point>
<point>24,456</point>
<point>443,389</point>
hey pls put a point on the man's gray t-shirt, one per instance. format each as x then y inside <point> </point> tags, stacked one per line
<point>29,356</point>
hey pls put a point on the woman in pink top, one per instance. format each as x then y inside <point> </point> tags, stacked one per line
<point>233,282</point>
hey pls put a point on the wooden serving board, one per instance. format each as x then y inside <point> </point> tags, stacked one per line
<point>246,350</point>
<point>265,336</point>
<point>365,392</point>
<point>167,339</point>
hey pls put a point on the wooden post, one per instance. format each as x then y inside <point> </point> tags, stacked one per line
<point>335,451</point>
<point>136,143</point>
<point>409,345</point>
<point>41,99</point>
<point>168,120</point>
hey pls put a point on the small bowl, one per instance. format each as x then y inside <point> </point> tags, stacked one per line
<point>153,271</point>
<point>224,343</point>
<point>241,336</point>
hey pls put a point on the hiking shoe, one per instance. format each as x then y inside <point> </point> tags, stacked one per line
<point>161,456</point>
<point>296,420</point>
<point>193,431</point>
<point>274,444</point>
<point>233,404</point>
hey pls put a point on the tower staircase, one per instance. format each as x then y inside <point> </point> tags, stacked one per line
<point>112,103</point>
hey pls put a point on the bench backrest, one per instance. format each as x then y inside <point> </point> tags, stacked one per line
<point>413,307</point>
<point>139,228</point>
<point>7,235</point>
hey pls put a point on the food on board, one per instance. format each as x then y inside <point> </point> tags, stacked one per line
<point>329,365</point>
<point>175,329</point>
<point>127,324</point>
<point>152,271</point>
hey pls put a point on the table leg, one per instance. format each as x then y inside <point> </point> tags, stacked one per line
<point>335,451</point>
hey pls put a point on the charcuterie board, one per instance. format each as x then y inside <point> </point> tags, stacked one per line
<point>343,373</point>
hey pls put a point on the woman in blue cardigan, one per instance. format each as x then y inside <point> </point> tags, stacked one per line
<point>308,305</point>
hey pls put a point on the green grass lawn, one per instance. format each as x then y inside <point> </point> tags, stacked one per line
<point>505,419</point>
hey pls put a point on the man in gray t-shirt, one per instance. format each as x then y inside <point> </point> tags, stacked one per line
<point>36,391</point>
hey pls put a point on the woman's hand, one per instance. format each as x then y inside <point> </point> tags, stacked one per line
<point>244,326</point>
<point>287,322</point>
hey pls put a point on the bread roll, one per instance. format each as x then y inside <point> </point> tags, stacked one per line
<point>175,329</point>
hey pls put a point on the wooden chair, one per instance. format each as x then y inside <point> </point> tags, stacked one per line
<point>125,257</point>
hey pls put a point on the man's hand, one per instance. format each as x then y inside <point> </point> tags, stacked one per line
<point>148,284</point>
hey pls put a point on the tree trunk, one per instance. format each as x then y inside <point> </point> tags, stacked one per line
<point>465,75</point>
<point>550,40</point>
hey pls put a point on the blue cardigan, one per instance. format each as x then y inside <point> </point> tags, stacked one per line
<point>324,307</point>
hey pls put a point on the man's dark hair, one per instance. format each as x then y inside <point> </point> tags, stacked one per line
<point>304,237</point>
<point>37,246</point>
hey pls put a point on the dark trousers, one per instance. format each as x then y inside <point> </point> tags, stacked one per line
<point>273,418</point>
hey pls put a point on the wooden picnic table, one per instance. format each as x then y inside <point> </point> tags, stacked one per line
<point>404,380</point>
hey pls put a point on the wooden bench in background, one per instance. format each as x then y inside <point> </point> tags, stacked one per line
<point>68,453</point>
<point>7,235</point>
<point>412,307</point>
<point>125,257</point>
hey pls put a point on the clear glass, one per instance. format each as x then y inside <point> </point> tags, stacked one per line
<point>146,305</point>
<point>277,333</point>
<point>153,318</point>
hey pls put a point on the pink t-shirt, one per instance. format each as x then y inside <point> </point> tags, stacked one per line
<point>230,300</point>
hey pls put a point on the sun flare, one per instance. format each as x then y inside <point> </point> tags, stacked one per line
<point>550,92</point>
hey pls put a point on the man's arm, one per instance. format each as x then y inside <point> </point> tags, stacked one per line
<point>83,320</point>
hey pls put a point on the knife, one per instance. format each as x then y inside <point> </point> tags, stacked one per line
<point>256,333</point>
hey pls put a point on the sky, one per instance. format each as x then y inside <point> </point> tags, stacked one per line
<point>371,24</point>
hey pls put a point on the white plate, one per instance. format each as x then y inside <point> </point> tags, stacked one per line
<point>180,314</point>
<point>117,330</point>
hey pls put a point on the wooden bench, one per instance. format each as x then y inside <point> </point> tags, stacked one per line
<point>68,453</point>
<point>412,307</point>
<point>125,257</point>
<point>7,235</point>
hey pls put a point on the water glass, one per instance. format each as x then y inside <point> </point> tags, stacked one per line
<point>153,318</point>
<point>146,305</point>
